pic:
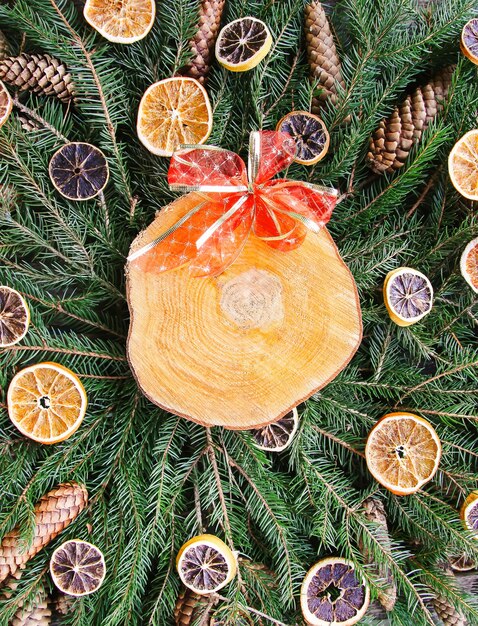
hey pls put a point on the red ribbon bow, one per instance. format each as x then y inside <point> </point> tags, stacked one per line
<point>234,201</point>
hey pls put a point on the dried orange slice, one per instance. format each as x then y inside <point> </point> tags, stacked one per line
<point>408,295</point>
<point>469,40</point>
<point>333,594</point>
<point>469,512</point>
<point>310,134</point>
<point>14,317</point>
<point>121,21</point>
<point>205,564</point>
<point>277,436</point>
<point>46,402</point>
<point>242,44</point>
<point>469,264</point>
<point>402,452</point>
<point>462,563</point>
<point>6,104</point>
<point>463,165</point>
<point>77,568</point>
<point>172,112</point>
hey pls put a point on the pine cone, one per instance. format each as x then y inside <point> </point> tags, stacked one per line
<point>375,512</point>
<point>61,605</point>
<point>448,615</point>
<point>4,46</point>
<point>393,140</point>
<point>189,607</point>
<point>53,512</point>
<point>202,44</point>
<point>39,614</point>
<point>28,124</point>
<point>38,73</point>
<point>322,55</point>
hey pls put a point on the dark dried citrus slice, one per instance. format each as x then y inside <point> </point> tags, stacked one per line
<point>14,317</point>
<point>469,40</point>
<point>6,104</point>
<point>333,594</point>
<point>277,436</point>
<point>79,171</point>
<point>205,564</point>
<point>408,295</point>
<point>77,568</point>
<point>462,563</point>
<point>242,44</point>
<point>310,134</point>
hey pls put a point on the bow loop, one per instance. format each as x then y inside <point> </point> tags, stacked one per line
<point>270,152</point>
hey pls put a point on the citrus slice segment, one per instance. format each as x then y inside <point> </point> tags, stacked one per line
<point>79,171</point>
<point>463,165</point>
<point>333,594</point>
<point>469,264</point>
<point>462,563</point>
<point>6,104</point>
<point>242,44</point>
<point>172,112</point>
<point>125,21</point>
<point>310,134</point>
<point>469,40</point>
<point>402,452</point>
<point>205,564</point>
<point>77,568</point>
<point>469,512</point>
<point>408,295</point>
<point>277,436</point>
<point>14,317</point>
<point>46,402</point>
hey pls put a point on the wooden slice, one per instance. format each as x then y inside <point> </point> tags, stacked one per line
<point>240,350</point>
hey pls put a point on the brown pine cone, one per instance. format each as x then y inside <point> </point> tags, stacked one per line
<point>4,46</point>
<point>190,606</point>
<point>392,142</point>
<point>445,611</point>
<point>53,512</point>
<point>39,613</point>
<point>324,62</point>
<point>38,73</point>
<point>375,512</point>
<point>28,124</point>
<point>203,42</point>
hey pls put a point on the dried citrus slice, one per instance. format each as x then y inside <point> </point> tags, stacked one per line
<point>79,171</point>
<point>46,402</point>
<point>408,295</point>
<point>402,452</point>
<point>172,112</point>
<point>463,165</point>
<point>462,563</point>
<point>6,104</point>
<point>469,512</point>
<point>469,40</point>
<point>205,564</point>
<point>310,134</point>
<point>123,21</point>
<point>277,436</point>
<point>469,264</point>
<point>242,44</point>
<point>333,594</point>
<point>14,317</point>
<point>77,568</point>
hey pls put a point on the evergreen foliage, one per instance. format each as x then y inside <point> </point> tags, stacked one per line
<point>154,479</point>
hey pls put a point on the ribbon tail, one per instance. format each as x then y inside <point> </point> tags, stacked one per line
<point>218,223</point>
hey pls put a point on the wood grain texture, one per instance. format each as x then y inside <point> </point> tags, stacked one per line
<point>241,349</point>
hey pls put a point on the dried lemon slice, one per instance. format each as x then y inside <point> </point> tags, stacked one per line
<point>242,44</point>
<point>463,165</point>
<point>310,134</point>
<point>124,21</point>
<point>14,317</point>
<point>6,104</point>
<point>402,452</point>
<point>408,295</point>
<point>277,436</point>
<point>77,568</point>
<point>46,402</point>
<point>205,564</point>
<point>172,112</point>
<point>469,40</point>
<point>79,171</point>
<point>469,264</point>
<point>333,594</point>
